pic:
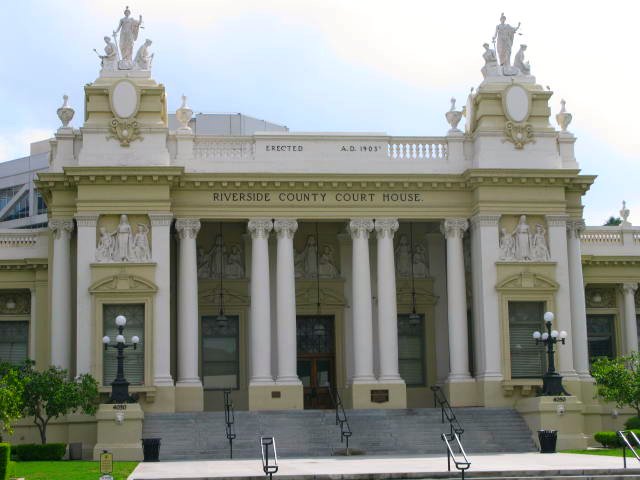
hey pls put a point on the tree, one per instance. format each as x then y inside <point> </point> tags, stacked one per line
<point>613,222</point>
<point>11,395</point>
<point>618,380</point>
<point>50,393</point>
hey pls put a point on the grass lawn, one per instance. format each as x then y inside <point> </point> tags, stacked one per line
<point>67,470</point>
<point>610,452</point>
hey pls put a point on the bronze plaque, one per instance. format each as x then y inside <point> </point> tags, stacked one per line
<point>379,396</point>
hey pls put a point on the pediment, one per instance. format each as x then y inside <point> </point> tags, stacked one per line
<point>230,297</point>
<point>123,283</point>
<point>404,296</point>
<point>528,281</point>
<point>309,296</point>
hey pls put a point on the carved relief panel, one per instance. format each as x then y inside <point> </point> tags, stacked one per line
<point>316,251</point>
<point>411,254</point>
<point>123,238</point>
<point>221,251</point>
<point>600,297</point>
<point>523,239</point>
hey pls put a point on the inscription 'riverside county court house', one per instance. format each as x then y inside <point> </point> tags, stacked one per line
<point>317,197</point>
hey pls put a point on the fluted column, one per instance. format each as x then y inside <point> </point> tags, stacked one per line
<point>453,230</point>
<point>387,307</point>
<point>361,306</point>
<point>187,330</point>
<point>85,255</point>
<point>160,246</point>
<point>578,308</point>
<point>286,302</point>
<point>260,331</point>
<point>630,326</point>
<point>61,293</point>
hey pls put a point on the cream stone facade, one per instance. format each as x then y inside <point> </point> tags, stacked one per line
<point>277,263</point>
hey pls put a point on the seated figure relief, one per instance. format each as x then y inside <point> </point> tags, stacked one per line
<point>219,261</point>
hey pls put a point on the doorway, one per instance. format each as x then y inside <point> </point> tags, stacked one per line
<point>316,359</point>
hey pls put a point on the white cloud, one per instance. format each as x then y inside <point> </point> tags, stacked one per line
<point>16,144</point>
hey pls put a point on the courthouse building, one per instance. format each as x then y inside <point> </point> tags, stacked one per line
<point>280,264</point>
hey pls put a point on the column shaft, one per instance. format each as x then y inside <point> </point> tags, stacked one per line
<point>260,332</point>
<point>630,326</point>
<point>61,293</point>
<point>387,306</point>
<point>453,230</point>
<point>361,306</point>
<point>286,302</point>
<point>160,245</point>
<point>187,302</point>
<point>33,350</point>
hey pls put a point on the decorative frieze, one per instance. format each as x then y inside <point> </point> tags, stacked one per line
<point>523,244</point>
<point>124,244</point>
<point>15,302</point>
<point>600,297</point>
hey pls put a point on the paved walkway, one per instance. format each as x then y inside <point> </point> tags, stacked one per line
<point>335,468</point>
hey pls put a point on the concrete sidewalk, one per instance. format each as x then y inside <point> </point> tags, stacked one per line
<point>504,465</point>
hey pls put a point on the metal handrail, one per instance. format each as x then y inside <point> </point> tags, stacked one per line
<point>341,417</point>
<point>627,444</point>
<point>269,466</point>
<point>461,465</point>
<point>439,398</point>
<point>229,420</point>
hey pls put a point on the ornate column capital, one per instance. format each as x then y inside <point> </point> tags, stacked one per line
<point>360,227</point>
<point>485,220</point>
<point>86,219</point>
<point>575,227</point>
<point>629,288</point>
<point>285,227</point>
<point>386,227</point>
<point>260,227</point>
<point>559,220</point>
<point>60,225</point>
<point>160,219</point>
<point>187,227</point>
<point>454,227</point>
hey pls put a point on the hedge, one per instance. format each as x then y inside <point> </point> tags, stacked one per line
<point>5,453</point>
<point>611,439</point>
<point>632,424</point>
<point>33,452</point>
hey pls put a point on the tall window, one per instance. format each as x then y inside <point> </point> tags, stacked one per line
<point>600,336</point>
<point>411,350</point>
<point>41,206</point>
<point>527,358</point>
<point>14,341</point>
<point>220,361</point>
<point>133,359</point>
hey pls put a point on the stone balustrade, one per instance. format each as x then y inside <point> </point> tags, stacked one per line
<point>611,241</point>
<point>19,244</point>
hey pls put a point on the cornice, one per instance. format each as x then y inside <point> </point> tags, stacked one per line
<point>600,260</point>
<point>25,264</point>
<point>73,176</point>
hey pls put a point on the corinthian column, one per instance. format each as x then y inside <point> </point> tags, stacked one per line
<point>187,330</point>
<point>361,303</point>
<point>630,326</point>
<point>576,290</point>
<point>61,293</point>
<point>286,302</point>
<point>260,331</point>
<point>453,230</point>
<point>387,308</point>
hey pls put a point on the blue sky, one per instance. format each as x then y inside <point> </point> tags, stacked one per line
<point>336,65</point>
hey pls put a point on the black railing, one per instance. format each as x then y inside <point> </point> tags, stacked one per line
<point>439,399</point>
<point>462,463</point>
<point>627,443</point>
<point>341,417</point>
<point>269,462</point>
<point>229,420</point>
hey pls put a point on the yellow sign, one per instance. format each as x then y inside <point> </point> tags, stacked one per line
<point>106,462</point>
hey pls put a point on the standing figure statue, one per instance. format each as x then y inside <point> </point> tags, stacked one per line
<point>124,241</point>
<point>106,246</point>
<point>507,246</point>
<point>141,250</point>
<point>522,240</point>
<point>539,245</point>
<point>109,61</point>
<point>504,36</point>
<point>403,257</point>
<point>234,268</point>
<point>143,59</point>
<point>327,265</point>
<point>128,28</point>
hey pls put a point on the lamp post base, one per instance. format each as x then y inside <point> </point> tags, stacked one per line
<point>120,392</point>
<point>552,385</point>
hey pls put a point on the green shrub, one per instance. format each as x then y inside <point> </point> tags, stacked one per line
<point>607,439</point>
<point>632,424</point>
<point>12,470</point>
<point>48,451</point>
<point>5,452</point>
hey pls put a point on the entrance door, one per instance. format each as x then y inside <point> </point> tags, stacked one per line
<point>316,358</point>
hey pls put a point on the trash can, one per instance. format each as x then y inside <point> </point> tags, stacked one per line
<point>547,440</point>
<point>151,449</point>
<point>75,451</point>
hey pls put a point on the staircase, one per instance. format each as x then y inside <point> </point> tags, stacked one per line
<point>313,433</point>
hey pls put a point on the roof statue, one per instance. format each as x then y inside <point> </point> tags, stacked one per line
<point>500,65</point>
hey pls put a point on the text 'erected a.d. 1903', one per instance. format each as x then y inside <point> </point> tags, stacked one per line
<point>340,197</point>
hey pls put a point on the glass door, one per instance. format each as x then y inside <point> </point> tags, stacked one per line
<point>316,359</point>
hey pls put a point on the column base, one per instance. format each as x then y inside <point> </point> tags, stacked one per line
<point>547,413</point>
<point>378,395</point>
<point>164,399</point>
<point>189,397</point>
<point>491,393</point>
<point>275,397</point>
<point>119,431</point>
<point>461,392</point>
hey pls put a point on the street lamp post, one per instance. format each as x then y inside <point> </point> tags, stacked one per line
<point>120,386</point>
<point>551,380</point>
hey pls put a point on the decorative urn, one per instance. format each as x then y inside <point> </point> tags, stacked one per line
<point>65,112</point>
<point>563,117</point>
<point>184,114</point>
<point>453,116</point>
